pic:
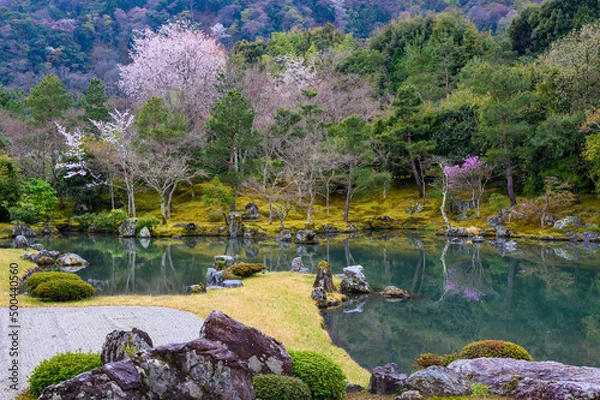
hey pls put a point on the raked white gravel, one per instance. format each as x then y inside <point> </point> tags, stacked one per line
<point>45,331</point>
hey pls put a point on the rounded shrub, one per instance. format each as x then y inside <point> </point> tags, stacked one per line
<point>61,367</point>
<point>426,360</point>
<point>148,221</point>
<point>38,278</point>
<point>495,349</point>
<point>63,290</point>
<point>324,378</point>
<point>280,387</point>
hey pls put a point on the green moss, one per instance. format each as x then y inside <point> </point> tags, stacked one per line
<point>325,379</point>
<point>246,269</point>
<point>495,349</point>
<point>324,265</point>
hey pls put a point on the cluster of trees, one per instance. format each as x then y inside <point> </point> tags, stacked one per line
<point>78,40</point>
<point>314,112</point>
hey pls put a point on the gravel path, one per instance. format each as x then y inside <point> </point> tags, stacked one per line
<point>44,332</point>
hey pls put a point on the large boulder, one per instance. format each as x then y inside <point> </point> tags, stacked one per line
<point>324,277</point>
<point>20,242</point>
<point>200,369</point>
<point>214,277</point>
<point>71,259</point>
<point>44,257</point>
<point>284,236</point>
<point>120,344</point>
<point>223,261</point>
<point>306,236</point>
<point>354,281</point>
<point>387,379</point>
<point>263,354</point>
<point>127,228</point>
<point>439,381</point>
<point>544,380</point>
<point>145,233</point>
<point>251,210</point>
<point>297,264</point>
<point>23,229</point>
<point>568,222</point>
<point>395,293</point>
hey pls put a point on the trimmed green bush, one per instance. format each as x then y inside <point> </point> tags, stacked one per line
<point>495,349</point>
<point>215,216</point>
<point>38,278</point>
<point>147,221</point>
<point>63,290</point>
<point>61,367</point>
<point>324,378</point>
<point>279,387</point>
<point>428,359</point>
<point>84,220</point>
<point>245,270</point>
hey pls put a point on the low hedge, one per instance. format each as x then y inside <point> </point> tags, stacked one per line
<point>280,387</point>
<point>38,278</point>
<point>63,290</point>
<point>245,270</point>
<point>495,349</point>
<point>61,367</point>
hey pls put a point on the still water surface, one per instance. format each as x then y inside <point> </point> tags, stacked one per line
<point>544,297</point>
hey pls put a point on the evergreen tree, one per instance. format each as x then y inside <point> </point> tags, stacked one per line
<point>48,100</point>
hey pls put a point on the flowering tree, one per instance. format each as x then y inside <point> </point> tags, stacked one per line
<point>74,163</point>
<point>176,59</point>
<point>471,176</point>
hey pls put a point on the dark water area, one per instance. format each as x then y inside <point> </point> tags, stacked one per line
<point>544,297</point>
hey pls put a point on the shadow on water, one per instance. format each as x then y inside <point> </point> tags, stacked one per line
<point>541,296</point>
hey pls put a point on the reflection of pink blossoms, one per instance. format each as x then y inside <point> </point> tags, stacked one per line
<point>469,293</point>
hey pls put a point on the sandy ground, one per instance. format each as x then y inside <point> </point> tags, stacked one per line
<point>44,332</point>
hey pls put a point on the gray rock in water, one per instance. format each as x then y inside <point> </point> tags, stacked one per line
<point>502,232</point>
<point>23,229</point>
<point>387,379</point>
<point>354,281</point>
<point>200,369</point>
<point>568,222</point>
<point>119,344</point>
<point>127,228</point>
<point>306,236</point>
<point>37,246</point>
<point>393,292</point>
<point>457,232</point>
<point>590,236</point>
<point>232,283</point>
<point>20,242</point>
<point>71,260</point>
<point>284,236</point>
<point>297,264</point>
<point>531,380</point>
<point>145,233</point>
<point>223,261</point>
<point>264,354</point>
<point>439,381</point>
<point>214,277</point>
<point>410,395</point>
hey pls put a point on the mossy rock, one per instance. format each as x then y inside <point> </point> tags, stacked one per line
<point>38,278</point>
<point>280,387</point>
<point>324,265</point>
<point>63,290</point>
<point>246,269</point>
<point>495,349</point>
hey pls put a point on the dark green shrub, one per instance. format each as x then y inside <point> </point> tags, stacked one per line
<point>428,359</point>
<point>111,221</point>
<point>215,216</point>
<point>84,220</point>
<point>38,278</point>
<point>24,212</point>
<point>63,290</point>
<point>61,367</point>
<point>245,270</point>
<point>279,387</point>
<point>148,221</point>
<point>324,378</point>
<point>495,349</point>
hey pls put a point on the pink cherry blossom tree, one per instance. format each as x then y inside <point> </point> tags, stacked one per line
<point>471,176</point>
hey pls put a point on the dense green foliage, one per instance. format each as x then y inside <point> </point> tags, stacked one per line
<point>63,290</point>
<point>61,367</point>
<point>428,359</point>
<point>324,378</point>
<point>36,203</point>
<point>247,269</point>
<point>495,349</point>
<point>38,278</point>
<point>279,387</point>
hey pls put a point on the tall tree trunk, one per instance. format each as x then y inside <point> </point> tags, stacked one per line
<point>509,175</point>
<point>163,212</point>
<point>348,196</point>
<point>170,200</point>
<point>415,170</point>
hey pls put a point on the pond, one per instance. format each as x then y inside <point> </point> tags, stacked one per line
<point>542,296</point>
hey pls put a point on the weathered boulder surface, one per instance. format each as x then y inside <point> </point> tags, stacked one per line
<point>297,264</point>
<point>387,379</point>
<point>40,247</point>
<point>70,260</point>
<point>264,354</point>
<point>23,229</point>
<point>251,210</point>
<point>119,344</point>
<point>354,281</point>
<point>438,381</point>
<point>44,257</point>
<point>543,380</point>
<point>127,228</point>
<point>200,369</point>
<point>306,236</point>
<point>145,233</point>
<point>410,395</point>
<point>223,261</point>
<point>232,283</point>
<point>20,242</point>
<point>324,279</point>
<point>214,277</point>
<point>284,236</point>
<point>568,222</point>
<point>393,292</point>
